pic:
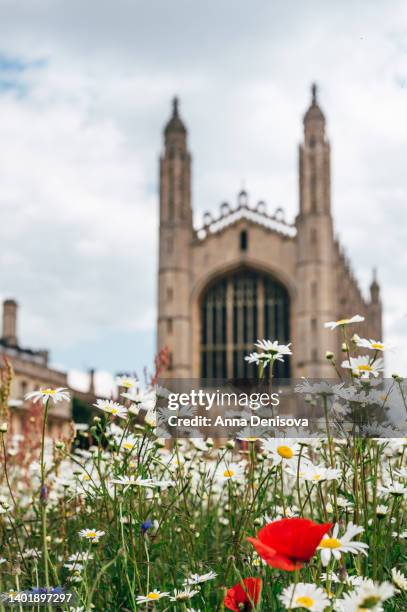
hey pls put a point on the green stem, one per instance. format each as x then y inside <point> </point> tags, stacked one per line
<point>43,502</point>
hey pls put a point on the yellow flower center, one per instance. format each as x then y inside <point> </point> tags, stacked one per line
<point>49,392</point>
<point>343,321</point>
<point>285,452</point>
<point>127,384</point>
<point>86,477</point>
<point>91,534</point>
<point>316,477</point>
<point>114,411</point>
<point>128,445</point>
<point>305,601</point>
<point>364,368</point>
<point>378,345</point>
<point>330,543</point>
<point>153,596</point>
<point>250,439</point>
<point>229,473</point>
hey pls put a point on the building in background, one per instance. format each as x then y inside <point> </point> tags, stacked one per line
<point>31,372</point>
<point>248,274</point>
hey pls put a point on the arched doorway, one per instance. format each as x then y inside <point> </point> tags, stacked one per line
<point>235,311</point>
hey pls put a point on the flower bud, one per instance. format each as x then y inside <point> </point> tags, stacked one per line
<point>3,428</point>
<point>145,526</point>
<point>230,444</point>
<point>344,347</point>
<point>43,494</point>
<point>381,511</point>
<point>330,356</point>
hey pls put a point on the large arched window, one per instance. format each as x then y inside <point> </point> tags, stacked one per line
<point>236,310</point>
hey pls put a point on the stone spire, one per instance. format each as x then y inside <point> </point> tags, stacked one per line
<point>175,238</point>
<point>314,161</point>
<point>175,172</point>
<point>314,119</point>
<point>315,247</point>
<point>175,124</point>
<point>375,288</point>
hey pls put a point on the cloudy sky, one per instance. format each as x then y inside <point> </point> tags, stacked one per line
<point>85,89</point>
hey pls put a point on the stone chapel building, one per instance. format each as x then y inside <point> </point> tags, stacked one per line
<point>248,274</point>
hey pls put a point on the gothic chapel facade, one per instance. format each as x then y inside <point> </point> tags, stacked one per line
<point>248,274</point>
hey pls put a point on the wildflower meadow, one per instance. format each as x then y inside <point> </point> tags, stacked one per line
<point>126,520</point>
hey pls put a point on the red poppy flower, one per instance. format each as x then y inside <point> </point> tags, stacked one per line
<point>239,598</point>
<point>289,543</point>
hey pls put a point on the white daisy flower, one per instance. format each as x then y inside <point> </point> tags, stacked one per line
<point>80,556</point>
<point>61,394</point>
<point>364,366</point>
<point>128,443</point>
<point>74,567</point>
<point>258,358</point>
<point>162,484</point>
<point>187,593</point>
<point>399,580</point>
<point>151,418</point>
<point>275,349</point>
<point>93,535</point>
<point>368,596</point>
<point>145,399</point>
<point>126,382</point>
<point>317,473</point>
<point>373,345</point>
<point>342,322</point>
<point>393,488</point>
<point>32,553</point>
<point>132,481</point>
<point>229,471</point>
<point>199,578</point>
<point>303,595</point>
<point>271,351</point>
<point>112,408</point>
<point>331,576</point>
<point>320,388</point>
<point>152,596</point>
<point>279,449</point>
<point>334,546</point>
